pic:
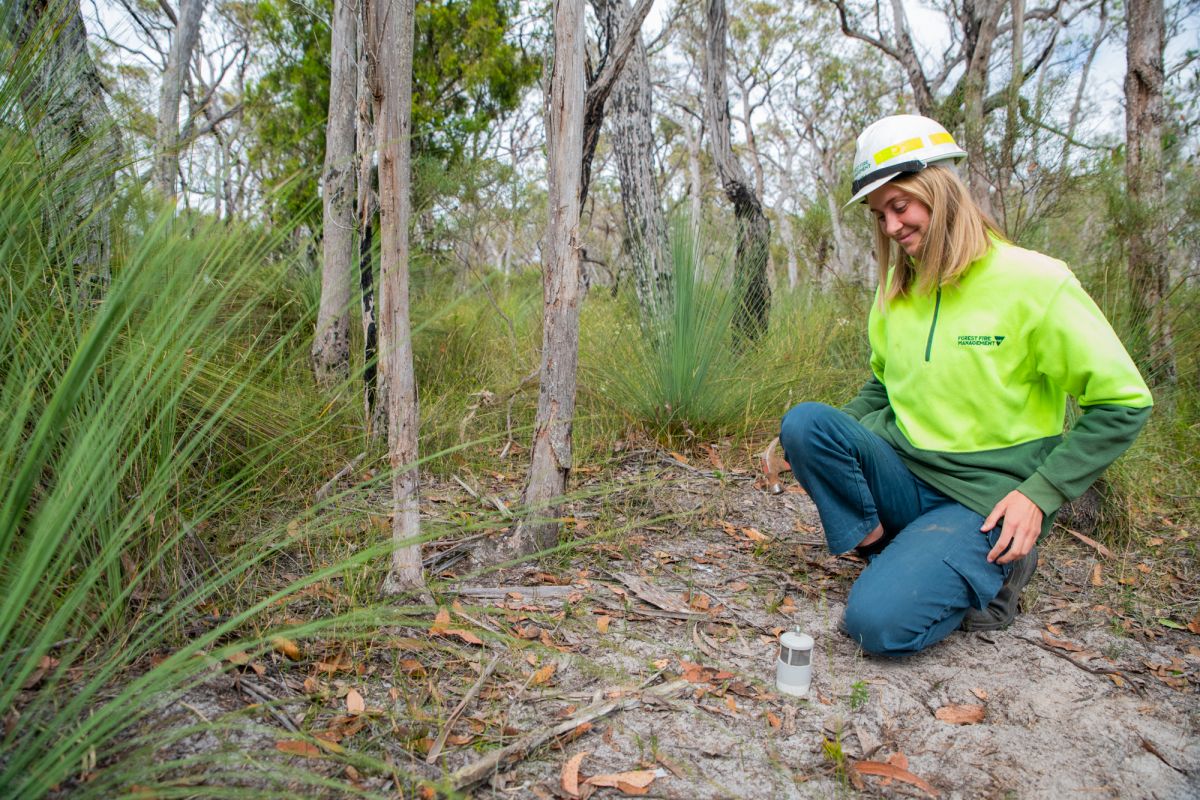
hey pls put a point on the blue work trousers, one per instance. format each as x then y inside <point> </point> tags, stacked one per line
<point>932,565</point>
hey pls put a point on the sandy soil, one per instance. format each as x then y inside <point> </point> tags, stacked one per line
<point>1081,697</point>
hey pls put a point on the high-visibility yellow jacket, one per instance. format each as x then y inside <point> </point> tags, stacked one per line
<point>970,383</point>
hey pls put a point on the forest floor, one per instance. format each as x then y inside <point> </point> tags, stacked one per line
<point>643,662</point>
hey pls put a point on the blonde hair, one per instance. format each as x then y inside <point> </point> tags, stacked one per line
<point>959,233</point>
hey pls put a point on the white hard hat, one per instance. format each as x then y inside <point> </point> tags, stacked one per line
<point>899,145</point>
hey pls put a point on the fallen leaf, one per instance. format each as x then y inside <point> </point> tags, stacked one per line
<point>354,702</point>
<point>788,606</point>
<point>628,782</point>
<point>980,693</point>
<point>294,747</point>
<point>892,771</point>
<point>466,636</point>
<point>678,457</point>
<point>1054,629</point>
<point>1194,625</point>
<point>898,760</point>
<point>1096,579</point>
<point>1070,647</point>
<point>961,714</point>
<point>441,621</point>
<point>1193,651</point>
<point>731,704</point>
<point>239,659</point>
<point>1117,679</point>
<point>544,674</point>
<point>1170,623</point>
<point>774,721</point>
<point>699,601</point>
<point>602,623</point>
<point>287,647</point>
<point>755,535</point>
<point>570,773</point>
<point>412,667</point>
<point>737,586</point>
<point>1145,569</point>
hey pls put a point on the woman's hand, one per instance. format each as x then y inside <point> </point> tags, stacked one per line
<point>1022,526</point>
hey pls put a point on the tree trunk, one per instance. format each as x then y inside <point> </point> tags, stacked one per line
<point>391,39</point>
<point>166,140</point>
<point>374,408</point>
<point>630,114</point>
<point>982,24</point>
<point>1153,346</point>
<point>753,229</point>
<point>551,452</point>
<point>1012,114</point>
<point>330,353</point>
<point>695,176</point>
<point>75,136</point>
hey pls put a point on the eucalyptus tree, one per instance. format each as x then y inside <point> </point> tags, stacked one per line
<point>64,109</point>
<point>955,88</point>
<point>183,42</point>
<point>390,52</point>
<point>631,117</point>
<point>330,352</point>
<point>753,229</point>
<point>1145,181</point>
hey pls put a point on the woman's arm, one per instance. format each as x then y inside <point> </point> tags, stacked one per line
<point>871,397</point>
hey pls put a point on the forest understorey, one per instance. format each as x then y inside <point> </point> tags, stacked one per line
<point>642,662</point>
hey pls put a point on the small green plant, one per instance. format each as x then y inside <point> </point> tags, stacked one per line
<point>835,755</point>
<point>859,695</point>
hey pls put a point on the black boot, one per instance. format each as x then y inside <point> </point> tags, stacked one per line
<point>1000,613</point>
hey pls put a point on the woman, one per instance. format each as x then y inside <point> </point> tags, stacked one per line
<point>949,464</point>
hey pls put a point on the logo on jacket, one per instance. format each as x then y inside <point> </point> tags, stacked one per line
<point>980,341</point>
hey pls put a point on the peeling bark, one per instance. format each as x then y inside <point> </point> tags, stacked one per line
<point>551,451</point>
<point>391,45</point>
<point>753,229</point>
<point>1148,240</point>
<point>330,355</point>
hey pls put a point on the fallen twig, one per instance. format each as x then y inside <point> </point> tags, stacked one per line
<point>436,750</point>
<point>479,770</point>
<point>1105,671</point>
<point>265,699</point>
<point>325,490</point>
<point>540,592</point>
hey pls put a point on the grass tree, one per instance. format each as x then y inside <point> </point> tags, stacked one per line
<point>391,49</point>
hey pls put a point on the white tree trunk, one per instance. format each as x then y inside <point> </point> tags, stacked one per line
<point>392,47</point>
<point>166,140</point>
<point>551,452</point>
<point>331,346</point>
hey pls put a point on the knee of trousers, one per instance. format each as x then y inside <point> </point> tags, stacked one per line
<point>882,628</point>
<point>804,423</point>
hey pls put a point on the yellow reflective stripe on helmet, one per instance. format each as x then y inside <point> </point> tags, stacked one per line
<point>941,138</point>
<point>887,153</point>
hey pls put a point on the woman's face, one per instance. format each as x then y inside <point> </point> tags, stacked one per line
<point>902,217</point>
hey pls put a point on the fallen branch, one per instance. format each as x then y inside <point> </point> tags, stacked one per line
<point>325,490</point>
<point>436,750</point>
<point>265,699</point>
<point>480,769</point>
<point>1085,667</point>
<point>548,592</point>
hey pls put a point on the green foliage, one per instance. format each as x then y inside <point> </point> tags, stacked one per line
<point>684,375</point>
<point>467,73</point>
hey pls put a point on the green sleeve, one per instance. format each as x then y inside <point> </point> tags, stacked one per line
<point>1101,435</point>
<point>1078,350</point>
<point>871,397</point>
